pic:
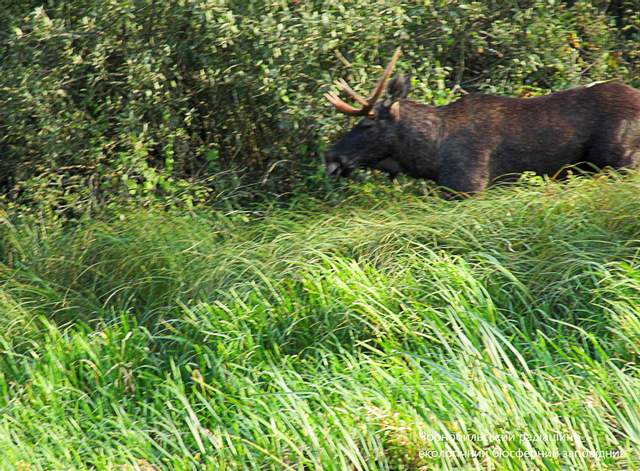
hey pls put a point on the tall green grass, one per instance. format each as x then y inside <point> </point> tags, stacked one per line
<point>390,331</point>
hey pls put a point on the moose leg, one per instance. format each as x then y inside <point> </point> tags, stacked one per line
<point>617,145</point>
<point>465,172</point>
<point>390,167</point>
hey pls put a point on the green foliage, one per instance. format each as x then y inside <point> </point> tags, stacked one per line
<point>362,335</point>
<point>344,332</point>
<point>136,98</point>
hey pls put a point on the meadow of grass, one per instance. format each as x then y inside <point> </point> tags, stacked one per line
<point>389,331</point>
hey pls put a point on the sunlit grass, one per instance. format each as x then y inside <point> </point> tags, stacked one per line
<point>363,335</point>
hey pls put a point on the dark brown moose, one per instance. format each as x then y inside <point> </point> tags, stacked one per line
<point>472,142</point>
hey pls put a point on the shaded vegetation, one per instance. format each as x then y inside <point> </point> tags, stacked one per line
<point>136,98</point>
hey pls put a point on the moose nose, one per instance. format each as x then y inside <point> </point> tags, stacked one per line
<point>333,169</point>
<point>333,163</point>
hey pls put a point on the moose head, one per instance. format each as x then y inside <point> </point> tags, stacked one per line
<point>373,140</point>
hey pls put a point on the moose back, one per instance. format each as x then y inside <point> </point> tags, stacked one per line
<point>471,143</point>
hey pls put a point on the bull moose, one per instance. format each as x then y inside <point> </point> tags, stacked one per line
<point>479,139</point>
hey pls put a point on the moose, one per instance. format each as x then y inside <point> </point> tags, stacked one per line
<point>469,144</point>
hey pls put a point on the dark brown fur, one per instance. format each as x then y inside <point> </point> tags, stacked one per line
<point>471,143</point>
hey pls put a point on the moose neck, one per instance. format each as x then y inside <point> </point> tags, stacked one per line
<point>419,128</point>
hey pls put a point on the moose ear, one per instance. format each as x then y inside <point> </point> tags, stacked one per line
<point>399,87</point>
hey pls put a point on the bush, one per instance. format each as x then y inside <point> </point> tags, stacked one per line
<point>136,98</point>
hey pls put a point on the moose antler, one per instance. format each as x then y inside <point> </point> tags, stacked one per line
<point>368,103</point>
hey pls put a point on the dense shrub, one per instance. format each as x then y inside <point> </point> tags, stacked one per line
<point>139,97</point>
